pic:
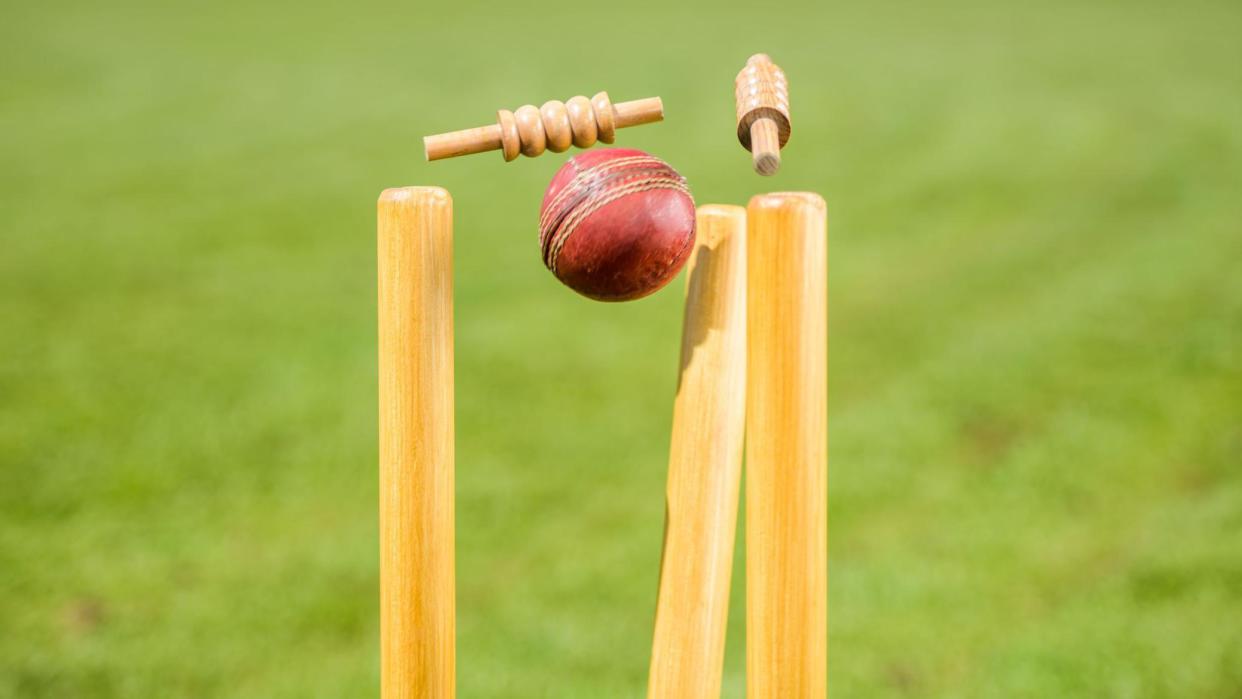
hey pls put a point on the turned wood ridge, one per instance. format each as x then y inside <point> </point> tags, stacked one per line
<point>529,130</point>
<point>763,127</point>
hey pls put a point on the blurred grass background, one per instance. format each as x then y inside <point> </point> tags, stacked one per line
<point>1036,342</point>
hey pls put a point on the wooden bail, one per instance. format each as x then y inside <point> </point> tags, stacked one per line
<point>530,130</point>
<point>762,95</point>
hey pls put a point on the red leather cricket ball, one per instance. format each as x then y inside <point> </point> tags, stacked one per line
<point>616,224</point>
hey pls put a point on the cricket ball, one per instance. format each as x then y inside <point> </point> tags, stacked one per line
<point>616,224</point>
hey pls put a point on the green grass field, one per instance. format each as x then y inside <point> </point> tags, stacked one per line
<point>1035,329</point>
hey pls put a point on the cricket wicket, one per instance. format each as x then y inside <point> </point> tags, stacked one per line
<point>754,357</point>
<point>704,466</point>
<point>787,448</point>
<point>417,597</point>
